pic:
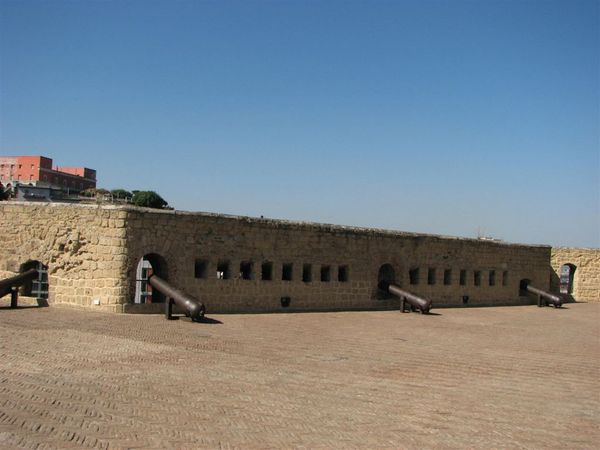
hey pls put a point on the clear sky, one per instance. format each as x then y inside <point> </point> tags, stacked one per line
<point>431,116</point>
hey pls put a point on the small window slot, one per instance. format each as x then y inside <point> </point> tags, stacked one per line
<point>343,274</point>
<point>200,268</point>
<point>246,270</point>
<point>413,275</point>
<point>431,276</point>
<point>477,278</point>
<point>325,273</point>
<point>447,277</point>
<point>307,273</point>
<point>463,277</point>
<point>267,271</point>
<point>223,272</point>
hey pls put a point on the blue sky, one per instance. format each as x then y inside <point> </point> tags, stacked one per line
<point>431,116</point>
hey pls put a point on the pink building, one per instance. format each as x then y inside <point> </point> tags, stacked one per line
<point>38,171</point>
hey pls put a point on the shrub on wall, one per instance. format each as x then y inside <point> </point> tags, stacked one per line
<point>121,194</point>
<point>149,199</point>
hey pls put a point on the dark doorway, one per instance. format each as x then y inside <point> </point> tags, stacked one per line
<point>523,286</point>
<point>567,278</point>
<point>385,276</point>
<point>149,264</point>
<point>38,287</point>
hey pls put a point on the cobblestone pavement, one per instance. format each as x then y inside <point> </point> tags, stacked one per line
<point>513,377</point>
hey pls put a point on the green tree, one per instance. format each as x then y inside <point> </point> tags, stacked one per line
<point>121,193</point>
<point>149,199</point>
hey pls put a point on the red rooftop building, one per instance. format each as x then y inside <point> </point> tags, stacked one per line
<point>38,171</point>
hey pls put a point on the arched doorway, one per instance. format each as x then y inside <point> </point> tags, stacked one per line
<point>567,278</point>
<point>387,275</point>
<point>149,264</point>
<point>37,287</point>
<point>523,287</point>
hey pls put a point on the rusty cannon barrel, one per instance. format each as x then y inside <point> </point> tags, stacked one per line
<point>416,302</point>
<point>10,285</point>
<point>194,308</point>
<point>547,296</point>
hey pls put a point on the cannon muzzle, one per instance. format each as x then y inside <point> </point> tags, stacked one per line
<point>420,303</point>
<point>193,307</point>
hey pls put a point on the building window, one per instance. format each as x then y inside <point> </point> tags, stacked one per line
<point>286,271</point>
<point>246,270</point>
<point>505,278</point>
<point>413,275</point>
<point>307,273</point>
<point>325,273</point>
<point>32,167</point>
<point>200,268</point>
<point>20,166</point>
<point>431,276</point>
<point>223,272</point>
<point>477,278</point>
<point>266,271</point>
<point>492,278</point>
<point>30,177</point>
<point>343,274</point>
<point>447,277</point>
<point>463,277</point>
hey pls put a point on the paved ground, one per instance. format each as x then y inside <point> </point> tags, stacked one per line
<point>514,377</point>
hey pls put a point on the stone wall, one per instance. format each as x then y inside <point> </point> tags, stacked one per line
<point>92,253</point>
<point>184,240</point>
<point>84,248</point>
<point>586,283</point>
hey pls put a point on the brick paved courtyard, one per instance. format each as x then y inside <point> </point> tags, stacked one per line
<point>515,377</point>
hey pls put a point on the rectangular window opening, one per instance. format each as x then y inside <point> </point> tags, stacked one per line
<point>200,268</point>
<point>246,270</point>
<point>431,276</point>
<point>286,271</point>
<point>343,275</point>
<point>463,277</point>
<point>492,278</point>
<point>307,273</point>
<point>505,278</point>
<point>413,275</point>
<point>223,272</point>
<point>325,273</point>
<point>447,277</point>
<point>477,278</point>
<point>266,271</point>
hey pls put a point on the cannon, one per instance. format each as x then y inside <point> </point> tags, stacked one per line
<point>193,308</point>
<point>549,298</point>
<point>11,285</point>
<point>414,301</point>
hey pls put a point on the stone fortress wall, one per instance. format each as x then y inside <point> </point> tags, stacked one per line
<point>84,248</point>
<point>241,264</point>
<point>586,263</point>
